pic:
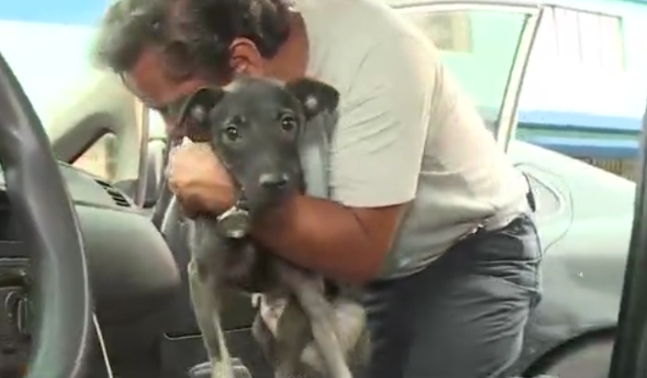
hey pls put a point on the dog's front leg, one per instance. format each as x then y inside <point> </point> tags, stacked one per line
<point>310,294</point>
<point>292,337</point>
<point>204,288</point>
<point>207,314</point>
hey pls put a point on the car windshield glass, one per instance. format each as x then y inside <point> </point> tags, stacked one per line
<point>48,48</point>
<point>49,53</point>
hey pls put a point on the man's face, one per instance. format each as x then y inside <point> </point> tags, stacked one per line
<point>150,79</point>
<point>150,82</point>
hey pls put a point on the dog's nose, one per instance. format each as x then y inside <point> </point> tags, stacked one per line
<point>273,180</point>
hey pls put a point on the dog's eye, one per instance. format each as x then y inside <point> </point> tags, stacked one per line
<point>288,123</point>
<point>232,134</point>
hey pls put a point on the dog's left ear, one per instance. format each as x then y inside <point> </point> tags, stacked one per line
<point>199,104</point>
<point>314,96</point>
<point>195,112</point>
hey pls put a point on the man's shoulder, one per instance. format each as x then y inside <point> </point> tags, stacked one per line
<point>349,36</point>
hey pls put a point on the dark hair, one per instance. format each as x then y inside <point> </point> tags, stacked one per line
<point>193,34</point>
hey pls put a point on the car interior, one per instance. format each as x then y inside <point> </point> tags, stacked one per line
<point>104,278</point>
<point>92,273</point>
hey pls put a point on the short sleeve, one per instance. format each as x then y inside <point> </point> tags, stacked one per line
<point>379,142</point>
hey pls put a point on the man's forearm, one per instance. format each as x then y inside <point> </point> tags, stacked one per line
<point>325,237</point>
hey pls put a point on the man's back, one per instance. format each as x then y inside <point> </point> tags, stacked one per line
<point>406,132</point>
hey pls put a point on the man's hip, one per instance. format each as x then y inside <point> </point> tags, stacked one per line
<point>463,315</point>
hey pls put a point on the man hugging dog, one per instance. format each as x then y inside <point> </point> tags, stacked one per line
<point>425,213</point>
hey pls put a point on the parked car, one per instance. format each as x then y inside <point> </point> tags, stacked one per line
<point>137,274</point>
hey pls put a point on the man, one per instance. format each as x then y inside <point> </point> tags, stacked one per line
<point>426,211</point>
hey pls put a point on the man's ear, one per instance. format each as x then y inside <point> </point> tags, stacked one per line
<point>314,96</point>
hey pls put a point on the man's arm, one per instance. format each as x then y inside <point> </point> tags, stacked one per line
<point>375,164</point>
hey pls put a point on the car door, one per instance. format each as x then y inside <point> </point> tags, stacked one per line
<point>629,359</point>
<point>486,47</point>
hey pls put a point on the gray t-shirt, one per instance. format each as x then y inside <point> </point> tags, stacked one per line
<point>405,132</point>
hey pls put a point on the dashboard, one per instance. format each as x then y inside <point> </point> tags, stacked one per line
<point>132,271</point>
<point>131,268</point>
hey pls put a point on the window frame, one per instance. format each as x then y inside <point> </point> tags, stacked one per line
<point>88,148</point>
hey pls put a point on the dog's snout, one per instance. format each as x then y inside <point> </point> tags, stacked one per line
<point>273,180</point>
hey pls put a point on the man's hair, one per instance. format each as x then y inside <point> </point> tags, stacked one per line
<point>193,34</point>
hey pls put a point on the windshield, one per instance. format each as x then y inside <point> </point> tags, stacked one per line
<point>48,48</point>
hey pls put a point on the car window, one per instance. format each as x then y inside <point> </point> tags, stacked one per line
<point>100,158</point>
<point>464,40</point>
<point>52,73</point>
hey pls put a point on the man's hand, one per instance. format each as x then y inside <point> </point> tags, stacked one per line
<point>199,180</point>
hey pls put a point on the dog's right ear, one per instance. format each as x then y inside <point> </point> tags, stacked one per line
<point>200,103</point>
<point>195,112</point>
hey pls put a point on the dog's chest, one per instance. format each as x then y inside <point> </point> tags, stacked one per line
<point>270,307</point>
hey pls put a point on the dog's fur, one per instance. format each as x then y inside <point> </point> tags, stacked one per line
<point>253,126</point>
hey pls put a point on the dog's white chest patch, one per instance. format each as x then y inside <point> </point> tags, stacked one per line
<point>271,310</point>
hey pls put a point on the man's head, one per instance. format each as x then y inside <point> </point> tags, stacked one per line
<point>166,49</point>
<point>254,126</point>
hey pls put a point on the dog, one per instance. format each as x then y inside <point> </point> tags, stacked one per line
<point>253,126</point>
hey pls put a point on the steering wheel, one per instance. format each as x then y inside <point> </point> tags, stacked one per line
<point>49,227</point>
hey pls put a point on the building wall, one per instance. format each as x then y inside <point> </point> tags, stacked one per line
<point>584,63</point>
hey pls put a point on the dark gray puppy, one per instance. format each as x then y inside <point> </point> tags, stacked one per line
<point>254,126</point>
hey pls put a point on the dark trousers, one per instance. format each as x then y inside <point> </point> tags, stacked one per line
<point>463,316</point>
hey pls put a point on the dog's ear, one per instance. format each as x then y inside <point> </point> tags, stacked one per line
<point>195,112</point>
<point>314,96</point>
<point>200,103</point>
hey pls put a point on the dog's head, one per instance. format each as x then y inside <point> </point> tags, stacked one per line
<point>254,127</point>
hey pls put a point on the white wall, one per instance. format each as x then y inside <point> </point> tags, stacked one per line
<point>556,85</point>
